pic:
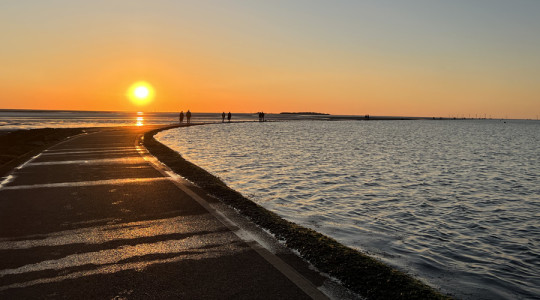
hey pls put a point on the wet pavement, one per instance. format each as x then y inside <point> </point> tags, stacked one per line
<point>97,217</point>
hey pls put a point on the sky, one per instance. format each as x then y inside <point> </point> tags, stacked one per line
<point>381,57</point>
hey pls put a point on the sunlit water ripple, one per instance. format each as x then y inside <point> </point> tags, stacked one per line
<point>456,203</point>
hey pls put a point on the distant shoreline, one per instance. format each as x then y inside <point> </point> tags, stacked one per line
<point>306,115</point>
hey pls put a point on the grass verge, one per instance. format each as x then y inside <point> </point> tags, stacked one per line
<point>18,146</point>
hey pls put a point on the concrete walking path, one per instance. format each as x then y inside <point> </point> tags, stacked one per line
<point>97,217</point>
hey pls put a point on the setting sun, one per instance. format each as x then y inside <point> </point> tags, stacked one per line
<point>140,93</point>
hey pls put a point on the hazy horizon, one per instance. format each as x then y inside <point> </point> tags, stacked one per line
<point>479,116</point>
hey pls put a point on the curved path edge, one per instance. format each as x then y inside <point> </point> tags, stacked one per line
<point>253,240</point>
<point>96,217</point>
<point>357,271</point>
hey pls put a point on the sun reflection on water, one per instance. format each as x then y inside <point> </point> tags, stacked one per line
<point>140,119</point>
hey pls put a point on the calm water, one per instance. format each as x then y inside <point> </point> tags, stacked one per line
<point>456,203</point>
<point>29,119</point>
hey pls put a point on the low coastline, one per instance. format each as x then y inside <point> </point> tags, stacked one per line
<point>361,273</point>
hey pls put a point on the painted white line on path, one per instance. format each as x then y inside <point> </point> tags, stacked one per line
<point>109,268</point>
<point>123,160</point>
<point>87,149</point>
<point>298,279</point>
<point>103,233</point>
<point>130,150</point>
<point>28,162</point>
<point>85,183</point>
<point>92,146</point>
<point>6,180</point>
<point>11,177</point>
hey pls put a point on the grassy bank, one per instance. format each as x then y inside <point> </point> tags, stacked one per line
<point>359,272</point>
<point>18,146</point>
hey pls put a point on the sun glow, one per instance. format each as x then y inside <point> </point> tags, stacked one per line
<point>140,93</point>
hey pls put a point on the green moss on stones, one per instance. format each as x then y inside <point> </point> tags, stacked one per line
<point>361,273</point>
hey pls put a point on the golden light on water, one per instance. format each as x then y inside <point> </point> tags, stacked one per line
<point>140,93</point>
<point>140,119</point>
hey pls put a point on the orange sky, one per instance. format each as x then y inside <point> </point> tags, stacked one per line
<point>374,57</point>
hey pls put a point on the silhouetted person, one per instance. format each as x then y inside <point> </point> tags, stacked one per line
<point>229,116</point>
<point>262,116</point>
<point>223,117</point>
<point>188,116</point>
<point>181,117</point>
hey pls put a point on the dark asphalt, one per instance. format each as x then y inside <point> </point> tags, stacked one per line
<point>93,218</point>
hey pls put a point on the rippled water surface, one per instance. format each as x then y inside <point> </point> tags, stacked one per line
<point>456,203</point>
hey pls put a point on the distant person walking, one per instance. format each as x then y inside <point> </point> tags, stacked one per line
<point>188,116</point>
<point>181,117</point>
<point>229,116</point>
<point>262,116</point>
<point>223,117</point>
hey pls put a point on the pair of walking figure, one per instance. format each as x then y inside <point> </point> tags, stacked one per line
<point>188,116</point>
<point>229,116</point>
